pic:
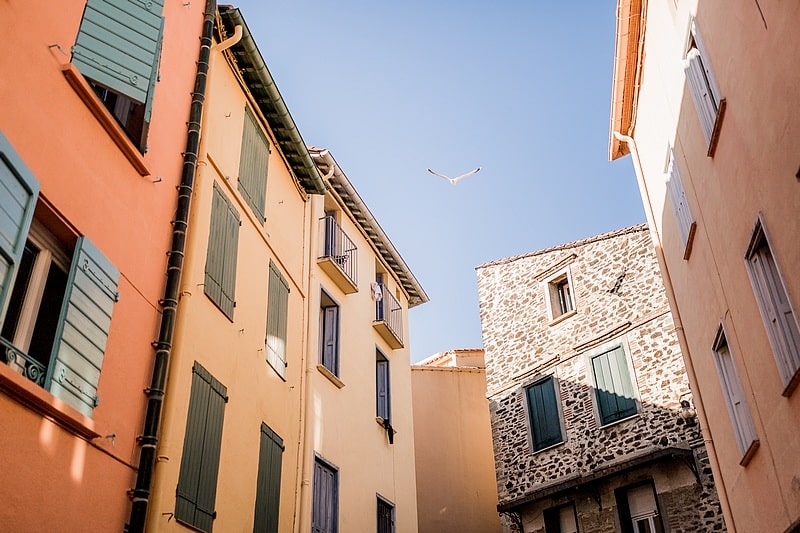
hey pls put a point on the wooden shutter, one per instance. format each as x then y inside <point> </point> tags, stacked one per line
<point>118,45</point>
<point>677,196</point>
<point>614,390</point>
<point>702,84</point>
<point>324,513</point>
<point>18,192</point>
<point>268,490</point>
<point>253,163</point>
<point>197,481</point>
<point>330,340</point>
<point>544,417</point>
<point>382,389</point>
<point>223,246</point>
<point>82,334</point>
<point>277,317</point>
<point>742,423</point>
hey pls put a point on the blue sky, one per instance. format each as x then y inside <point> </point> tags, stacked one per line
<point>519,88</point>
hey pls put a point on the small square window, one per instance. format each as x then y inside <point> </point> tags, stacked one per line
<point>559,294</point>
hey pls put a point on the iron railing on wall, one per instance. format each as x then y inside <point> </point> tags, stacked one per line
<point>27,365</point>
<point>338,247</point>
<point>388,310</point>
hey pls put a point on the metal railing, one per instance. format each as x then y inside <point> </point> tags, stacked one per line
<point>22,362</point>
<point>338,247</point>
<point>389,311</point>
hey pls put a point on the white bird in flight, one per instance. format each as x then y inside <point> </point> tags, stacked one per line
<point>457,178</point>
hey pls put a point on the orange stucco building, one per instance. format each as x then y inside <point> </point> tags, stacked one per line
<point>90,155</point>
<point>704,100</point>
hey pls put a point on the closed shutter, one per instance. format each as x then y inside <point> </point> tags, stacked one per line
<point>118,45</point>
<point>743,427</point>
<point>385,516</point>
<point>82,334</point>
<point>614,390</point>
<point>18,192</point>
<point>268,490</point>
<point>253,164</point>
<point>382,389</point>
<point>277,317</point>
<point>701,94</point>
<point>223,247</point>
<point>677,196</point>
<point>330,340</point>
<point>324,513</point>
<point>544,417</point>
<point>197,481</point>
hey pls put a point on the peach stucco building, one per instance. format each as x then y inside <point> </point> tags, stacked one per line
<point>90,157</point>
<point>704,100</point>
<point>456,485</point>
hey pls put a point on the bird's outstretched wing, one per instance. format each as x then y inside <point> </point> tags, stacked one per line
<point>457,178</point>
<point>437,174</point>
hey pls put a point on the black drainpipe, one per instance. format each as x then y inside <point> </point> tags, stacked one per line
<point>169,304</point>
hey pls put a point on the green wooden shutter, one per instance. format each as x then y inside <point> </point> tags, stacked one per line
<point>614,389</point>
<point>82,334</point>
<point>118,45</point>
<point>330,338</point>
<point>197,481</point>
<point>253,163</point>
<point>277,317</point>
<point>223,247</point>
<point>18,192</point>
<point>382,388</point>
<point>268,489</point>
<point>543,409</point>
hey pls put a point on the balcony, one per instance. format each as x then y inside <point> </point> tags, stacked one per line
<point>339,257</point>
<point>22,363</point>
<point>389,319</point>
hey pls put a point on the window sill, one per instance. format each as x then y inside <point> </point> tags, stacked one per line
<point>104,117</point>
<point>750,452</point>
<point>561,318</point>
<point>687,251</point>
<point>547,448</point>
<point>40,401</point>
<point>616,422</point>
<point>712,144</point>
<point>792,385</point>
<point>330,375</point>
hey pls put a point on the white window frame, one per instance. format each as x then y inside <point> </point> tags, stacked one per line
<point>703,87</point>
<point>680,205</point>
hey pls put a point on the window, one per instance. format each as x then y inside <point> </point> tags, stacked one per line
<point>560,300</point>
<point>197,482</point>
<point>117,50</point>
<point>638,510</point>
<point>382,387</point>
<point>268,490</point>
<point>253,164</point>
<point>743,429</point>
<point>385,516</point>
<point>561,519</point>
<point>543,414</point>
<point>703,87</point>
<point>57,293</point>
<point>325,513</point>
<point>223,245</point>
<point>329,334</point>
<point>775,305</point>
<point>613,387</point>
<point>680,207</point>
<point>277,315</point>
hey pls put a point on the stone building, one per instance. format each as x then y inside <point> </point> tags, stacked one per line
<point>592,417</point>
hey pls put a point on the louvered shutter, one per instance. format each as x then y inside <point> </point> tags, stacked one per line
<point>18,192</point>
<point>253,164</point>
<point>739,412</point>
<point>382,389</point>
<point>324,512</point>
<point>702,84</point>
<point>614,390</point>
<point>223,246</point>
<point>677,196</point>
<point>268,490</point>
<point>277,316</point>
<point>118,45</point>
<point>543,410</point>
<point>197,481</point>
<point>330,341</point>
<point>82,333</point>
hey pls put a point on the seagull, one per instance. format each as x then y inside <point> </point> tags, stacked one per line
<point>457,178</point>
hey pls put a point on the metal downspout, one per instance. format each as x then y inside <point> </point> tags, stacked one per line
<point>169,304</point>
<point>707,440</point>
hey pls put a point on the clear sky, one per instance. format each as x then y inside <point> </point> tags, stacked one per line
<point>521,88</point>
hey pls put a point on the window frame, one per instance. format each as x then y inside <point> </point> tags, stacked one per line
<point>542,381</point>
<point>604,421</point>
<point>552,518</point>
<point>626,520</point>
<point>382,365</point>
<point>556,310</point>
<point>680,205</point>
<point>277,326</point>
<point>333,496</point>
<point>381,526</point>
<point>706,95</point>
<point>328,303</point>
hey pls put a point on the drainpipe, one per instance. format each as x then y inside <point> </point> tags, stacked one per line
<point>707,440</point>
<point>169,304</point>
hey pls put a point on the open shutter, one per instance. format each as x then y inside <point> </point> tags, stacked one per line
<point>18,192</point>
<point>253,163</point>
<point>268,491</point>
<point>331,338</point>
<point>197,481</point>
<point>277,316</point>
<point>223,246</point>
<point>677,195</point>
<point>118,45</point>
<point>82,334</point>
<point>701,95</point>
<point>615,396</point>
<point>382,389</point>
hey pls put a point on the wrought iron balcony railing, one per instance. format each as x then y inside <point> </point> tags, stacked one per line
<point>389,318</point>
<point>25,364</point>
<point>339,257</point>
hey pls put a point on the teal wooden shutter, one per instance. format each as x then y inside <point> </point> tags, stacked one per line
<point>277,317</point>
<point>82,334</point>
<point>543,410</point>
<point>268,489</point>
<point>382,388</point>
<point>330,338</point>
<point>197,482</point>
<point>18,192</point>
<point>118,45</point>
<point>253,163</point>
<point>614,390</point>
<point>223,247</point>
